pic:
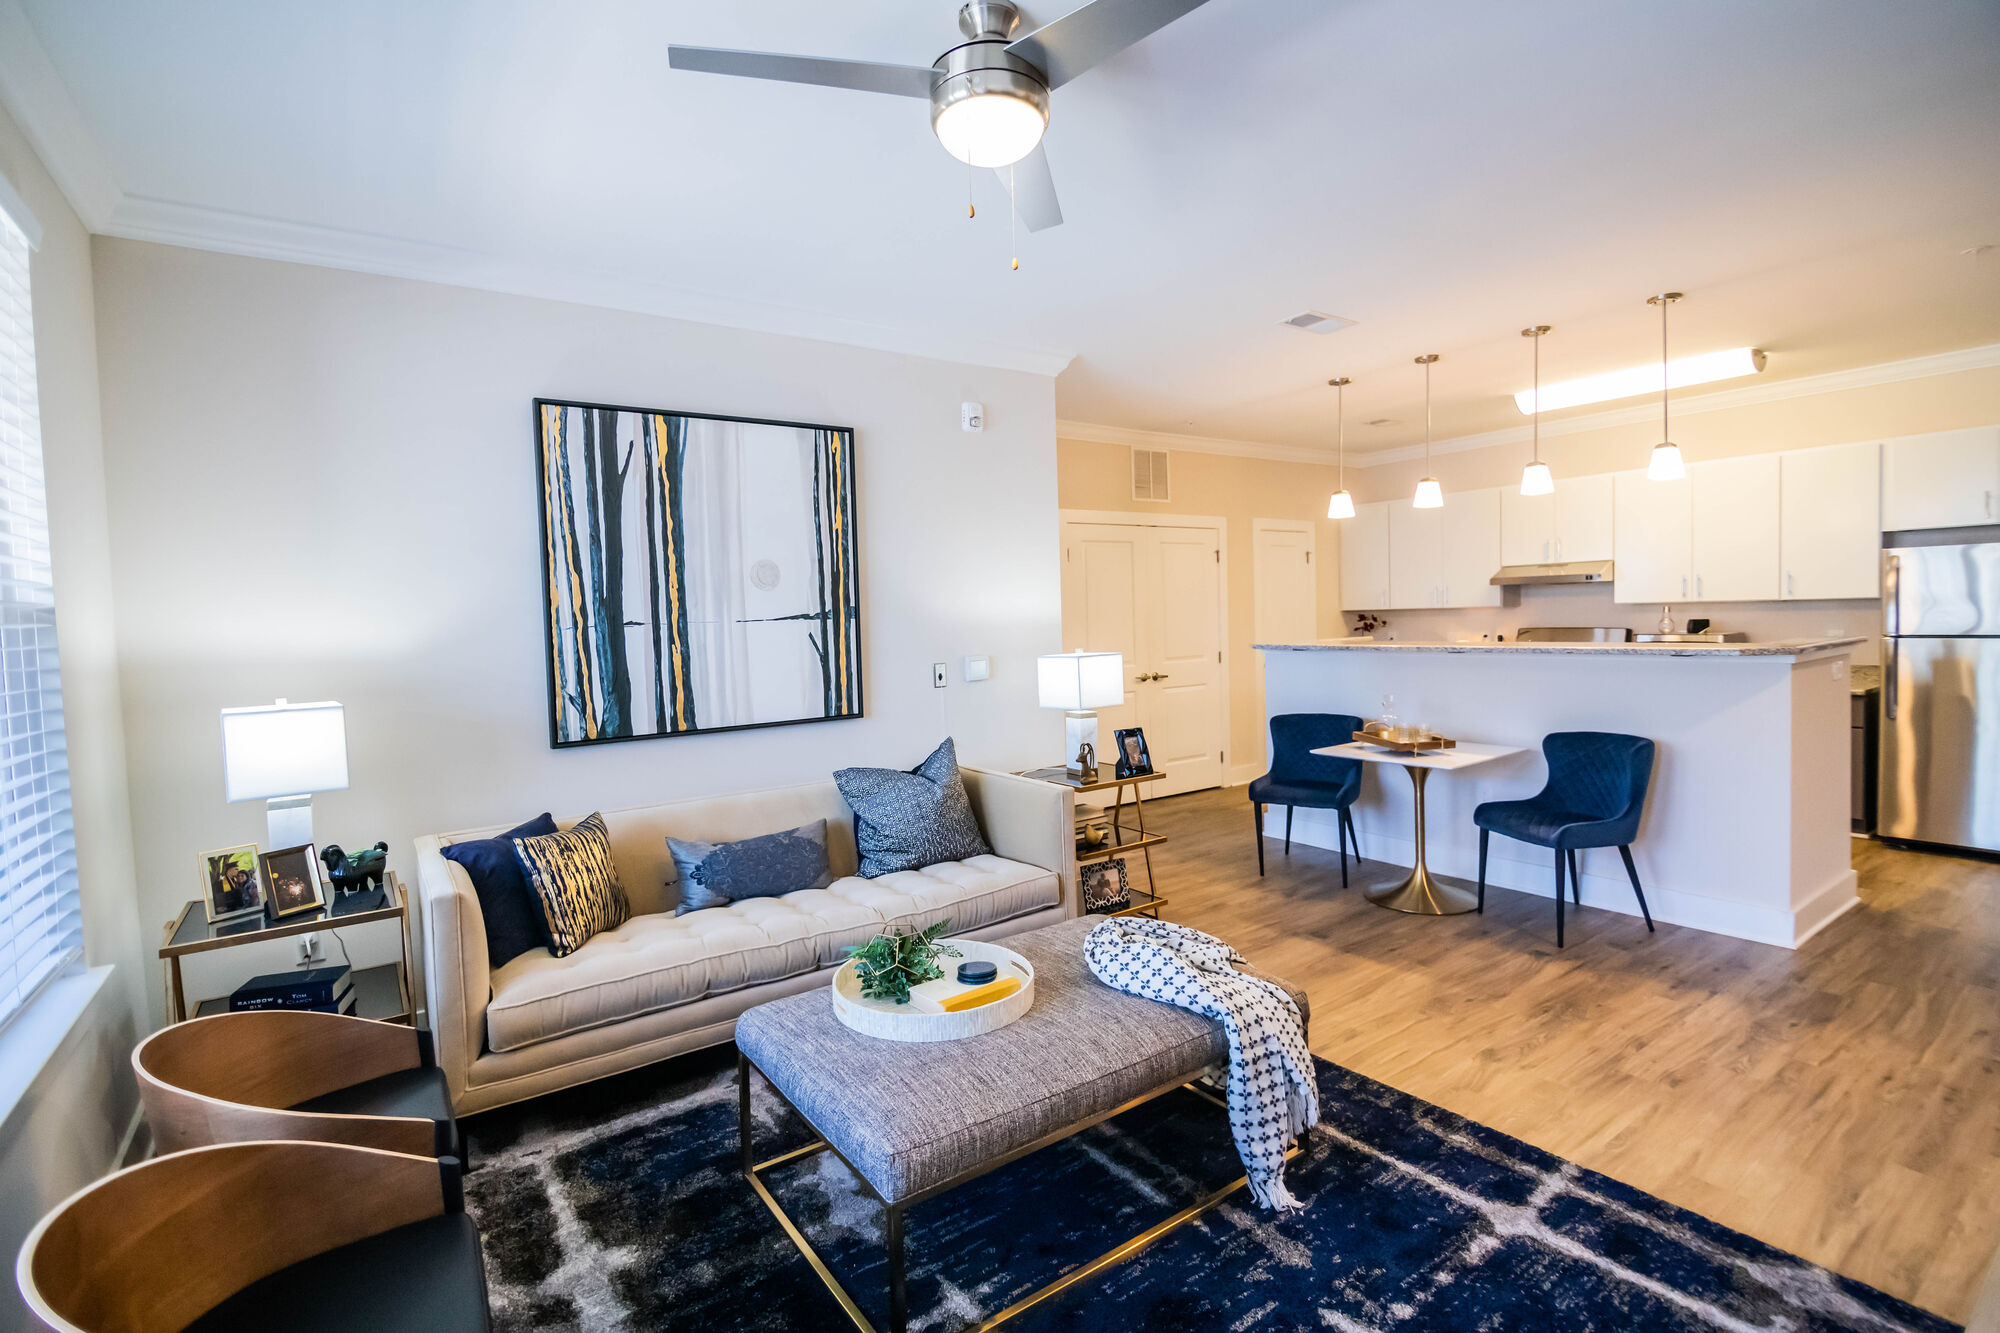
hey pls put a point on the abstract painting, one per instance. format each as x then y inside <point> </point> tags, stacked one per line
<point>698,572</point>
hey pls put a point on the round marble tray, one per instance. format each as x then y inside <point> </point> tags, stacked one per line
<point>922,1019</point>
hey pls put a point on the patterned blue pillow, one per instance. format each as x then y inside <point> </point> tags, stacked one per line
<point>714,874</point>
<point>906,821</point>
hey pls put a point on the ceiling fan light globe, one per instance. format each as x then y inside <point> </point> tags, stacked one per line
<point>1536,479</point>
<point>994,129</point>
<point>1340,506</point>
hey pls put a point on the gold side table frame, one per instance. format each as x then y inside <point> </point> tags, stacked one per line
<point>893,1212</point>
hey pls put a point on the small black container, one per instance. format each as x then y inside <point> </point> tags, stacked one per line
<point>977,973</point>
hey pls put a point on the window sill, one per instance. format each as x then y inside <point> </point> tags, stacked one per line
<point>38,1034</point>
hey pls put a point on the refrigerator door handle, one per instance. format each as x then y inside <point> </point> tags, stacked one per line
<point>1889,679</point>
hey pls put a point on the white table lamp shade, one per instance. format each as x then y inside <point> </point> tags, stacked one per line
<point>283,749</point>
<point>1081,681</point>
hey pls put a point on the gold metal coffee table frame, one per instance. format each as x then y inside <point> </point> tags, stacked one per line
<point>754,1170</point>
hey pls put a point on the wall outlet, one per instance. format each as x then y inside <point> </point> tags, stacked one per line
<point>937,676</point>
<point>309,949</point>
<point>972,418</point>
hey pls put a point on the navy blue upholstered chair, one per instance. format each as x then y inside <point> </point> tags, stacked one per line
<point>1300,777</point>
<point>1595,794</point>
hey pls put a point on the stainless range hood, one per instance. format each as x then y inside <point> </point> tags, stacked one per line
<point>1573,571</point>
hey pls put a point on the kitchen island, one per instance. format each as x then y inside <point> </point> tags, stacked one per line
<point>1746,826</point>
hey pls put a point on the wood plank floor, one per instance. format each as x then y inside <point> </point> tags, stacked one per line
<point>1841,1101</point>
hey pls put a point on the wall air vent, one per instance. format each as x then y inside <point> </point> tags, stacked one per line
<point>1149,474</point>
<point>1317,321</point>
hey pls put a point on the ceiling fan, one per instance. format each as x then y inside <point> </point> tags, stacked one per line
<point>989,95</point>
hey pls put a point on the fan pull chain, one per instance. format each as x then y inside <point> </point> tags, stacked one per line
<point>969,211</point>
<point>1012,213</point>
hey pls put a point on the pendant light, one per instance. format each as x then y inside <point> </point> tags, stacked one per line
<point>1429,494</point>
<point>1535,477</point>
<point>1666,464</point>
<point>1342,504</point>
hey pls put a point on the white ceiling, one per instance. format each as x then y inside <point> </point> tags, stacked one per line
<point>1808,171</point>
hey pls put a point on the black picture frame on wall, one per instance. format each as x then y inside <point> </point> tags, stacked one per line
<point>700,572</point>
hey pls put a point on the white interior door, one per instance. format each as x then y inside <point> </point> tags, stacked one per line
<point>1285,591</point>
<point>1154,595</point>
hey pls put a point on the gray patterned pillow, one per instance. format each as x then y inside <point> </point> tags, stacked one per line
<point>714,874</point>
<point>906,821</point>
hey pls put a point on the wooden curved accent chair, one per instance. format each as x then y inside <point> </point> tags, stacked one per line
<point>295,1074</point>
<point>276,1237</point>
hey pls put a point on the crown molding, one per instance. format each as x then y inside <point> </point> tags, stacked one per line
<point>1774,391</point>
<point>1093,433</point>
<point>38,100</point>
<point>168,223</point>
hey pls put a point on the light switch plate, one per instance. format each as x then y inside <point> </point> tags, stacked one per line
<point>976,668</point>
<point>938,677</point>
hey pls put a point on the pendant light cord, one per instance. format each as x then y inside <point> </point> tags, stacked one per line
<point>1538,397</point>
<point>1427,415</point>
<point>1666,433</point>
<point>1340,428</point>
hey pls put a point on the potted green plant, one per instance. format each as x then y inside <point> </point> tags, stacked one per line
<point>893,962</point>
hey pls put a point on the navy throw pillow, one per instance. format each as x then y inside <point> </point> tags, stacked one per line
<point>906,821</point>
<point>714,874</point>
<point>513,918</point>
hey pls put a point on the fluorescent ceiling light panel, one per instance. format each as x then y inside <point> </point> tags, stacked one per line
<point>1703,369</point>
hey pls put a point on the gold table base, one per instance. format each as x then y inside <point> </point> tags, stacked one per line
<point>1421,893</point>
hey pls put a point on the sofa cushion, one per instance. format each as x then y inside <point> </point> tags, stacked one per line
<point>905,821</point>
<point>513,918</point>
<point>714,874</point>
<point>574,879</point>
<point>656,961</point>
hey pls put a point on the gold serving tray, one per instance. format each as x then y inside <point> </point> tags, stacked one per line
<point>1406,747</point>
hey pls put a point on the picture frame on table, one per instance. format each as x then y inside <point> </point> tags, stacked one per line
<point>292,880</point>
<point>1105,885</point>
<point>1134,760</point>
<point>232,883</point>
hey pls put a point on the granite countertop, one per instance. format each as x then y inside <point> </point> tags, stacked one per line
<point>1865,678</point>
<point>1794,648</point>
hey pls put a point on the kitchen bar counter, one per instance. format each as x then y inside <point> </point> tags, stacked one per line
<point>1795,650</point>
<point>1746,826</point>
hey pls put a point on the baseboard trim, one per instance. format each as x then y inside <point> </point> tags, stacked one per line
<point>1241,775</point>
<point>1608,890</point>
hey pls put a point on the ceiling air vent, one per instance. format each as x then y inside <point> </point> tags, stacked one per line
<point>1316,321</point>
<point>1149,474</point>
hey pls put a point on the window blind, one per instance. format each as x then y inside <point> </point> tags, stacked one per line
<point>40,917</point>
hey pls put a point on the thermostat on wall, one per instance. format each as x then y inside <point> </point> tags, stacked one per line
<point>972,417</point>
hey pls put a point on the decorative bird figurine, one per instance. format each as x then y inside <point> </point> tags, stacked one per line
<point>352,873</point>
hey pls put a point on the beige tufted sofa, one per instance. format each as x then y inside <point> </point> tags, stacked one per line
<point>661,984</point>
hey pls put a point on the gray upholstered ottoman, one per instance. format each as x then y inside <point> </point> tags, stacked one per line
<point>913,1119</point>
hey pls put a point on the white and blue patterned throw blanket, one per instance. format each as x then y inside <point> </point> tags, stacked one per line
<point>1272,1093</point>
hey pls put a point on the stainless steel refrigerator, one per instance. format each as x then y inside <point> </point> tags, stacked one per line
<point>1940,747</point>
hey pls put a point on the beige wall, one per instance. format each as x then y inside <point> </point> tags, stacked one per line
<point>1098,476</point>
<point>75,1109</point>
<point>323,487</point>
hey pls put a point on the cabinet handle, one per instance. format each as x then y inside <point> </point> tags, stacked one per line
<point>1545,550</point>
<point>1559,548</point>
<point>1697,587</point>
<point>1684,585</point>
<point>1989,504</point>
<point>1788,583</point>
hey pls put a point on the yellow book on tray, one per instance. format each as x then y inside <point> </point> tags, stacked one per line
<point>978,995</point>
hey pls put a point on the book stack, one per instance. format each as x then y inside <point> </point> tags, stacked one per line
<point>1093,827</point>
<point>325,990</point>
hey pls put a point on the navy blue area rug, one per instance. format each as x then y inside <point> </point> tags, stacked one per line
<point>621,1206</point>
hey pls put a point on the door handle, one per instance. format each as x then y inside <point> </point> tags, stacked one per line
<point>1788,583</point>
<point>1889,683</point>
<point>1684,585</point>
<point>1159,675</point>
<point>1892,602</point>
<point>1559,548</point>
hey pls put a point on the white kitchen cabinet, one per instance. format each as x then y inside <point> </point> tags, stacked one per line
<point>1416,555</point>
<point>1948,479</point>
<point>1527,528</point>
<point>1470,551</point>
<point>1733,511</point>
<point>1572,523</point>
<point>1364,558</point>
<point>1654,539</point>
<point>1827,527</point>
<point>1583,526</point>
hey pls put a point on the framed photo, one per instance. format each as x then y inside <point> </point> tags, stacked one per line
<point>291,878</point>
<point>1105,885</point>
<point>1133,758</point>
<point>232,883</point>
<point>699,573</point>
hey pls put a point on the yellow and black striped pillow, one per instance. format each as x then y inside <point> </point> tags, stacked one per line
<point>574,883</point>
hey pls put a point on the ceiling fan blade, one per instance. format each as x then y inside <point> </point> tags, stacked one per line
<point>864,75</point>
<point>1034,188</point>
<point>1094,33</point>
